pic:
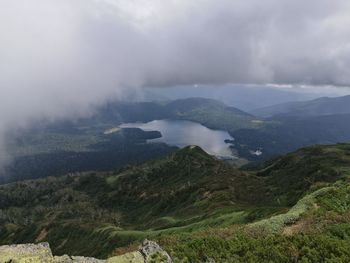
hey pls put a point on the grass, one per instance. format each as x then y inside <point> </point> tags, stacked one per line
<point>197,207</point>
<point>276,224</point>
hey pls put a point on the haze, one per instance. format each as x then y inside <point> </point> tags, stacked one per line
<point>60,58</point>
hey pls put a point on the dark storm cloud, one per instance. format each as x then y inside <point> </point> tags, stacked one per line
<point>60,57</point>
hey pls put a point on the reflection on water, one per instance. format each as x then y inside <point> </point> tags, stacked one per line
<point>183,133</point>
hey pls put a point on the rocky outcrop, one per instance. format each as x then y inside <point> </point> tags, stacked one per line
<point>37,253</point>
<point>151,252</point>
<point>41,253</point>
<point>132,257</point>
<point>26,253</point>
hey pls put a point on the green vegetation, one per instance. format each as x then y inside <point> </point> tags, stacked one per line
<point>186,191</point>
<point>212,114</point>
<point>293,209</point>
<point>51,153</point>
<point>319,233</point>
<point>282,135</point>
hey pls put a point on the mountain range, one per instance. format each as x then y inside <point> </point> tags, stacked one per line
<point>316,107</point>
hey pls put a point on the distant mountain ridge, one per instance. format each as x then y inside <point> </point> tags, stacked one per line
<point>245,97</point>
<point>317,107</point>
<point>211,113</point>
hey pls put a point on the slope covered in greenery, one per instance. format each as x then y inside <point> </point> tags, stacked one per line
<point>197,207</point>
<point>186,190</point>
<point>315,229</point>
<point>42,153</point>
<point>286,134</point>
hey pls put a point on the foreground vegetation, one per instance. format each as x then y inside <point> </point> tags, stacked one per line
<point>319,232</point>
<point>293,209</point>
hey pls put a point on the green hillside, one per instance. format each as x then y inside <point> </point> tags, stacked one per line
<point>45,152</point>
<point>197,207</point>
<point>187,190</point>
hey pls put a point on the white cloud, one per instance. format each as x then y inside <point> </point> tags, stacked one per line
<point>59,57</point>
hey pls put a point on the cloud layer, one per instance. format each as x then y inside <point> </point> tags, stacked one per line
<point>60,57</point>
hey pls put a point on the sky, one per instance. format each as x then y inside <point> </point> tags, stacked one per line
<point>60,58</point>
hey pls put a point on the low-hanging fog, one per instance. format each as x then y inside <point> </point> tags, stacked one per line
<point>59,58</point>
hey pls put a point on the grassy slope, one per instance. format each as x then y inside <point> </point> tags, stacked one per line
<point>187,190</point>
<point>196,206</point>
<point>315,229</point>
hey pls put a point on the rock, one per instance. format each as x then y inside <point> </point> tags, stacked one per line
<point>41,253</point>
<point>62,259</point>
<point>68,259</point>
<point>86,260</point>
<point>149,252</point>
<point>132,257</point>
<point>38,253</point>
<point>28,253</point>
<point>152,252</point>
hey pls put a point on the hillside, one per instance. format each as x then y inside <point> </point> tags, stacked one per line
<point>315,229</point>
<point>211,113</point>
<point>189,202</point>
<point>54,151</point>
<point>316,107</point>
<point>177,192</point>
<point>285,134</point>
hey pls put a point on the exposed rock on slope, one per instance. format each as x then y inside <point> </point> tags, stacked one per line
<point>41,253</point>
<point>152,251</point>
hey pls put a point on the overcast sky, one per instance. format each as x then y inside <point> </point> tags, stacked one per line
<point>59,57</point>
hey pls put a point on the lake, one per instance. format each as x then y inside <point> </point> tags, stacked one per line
<point>183,133</point>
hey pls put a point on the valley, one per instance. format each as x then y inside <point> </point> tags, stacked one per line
<point>48,149</point>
